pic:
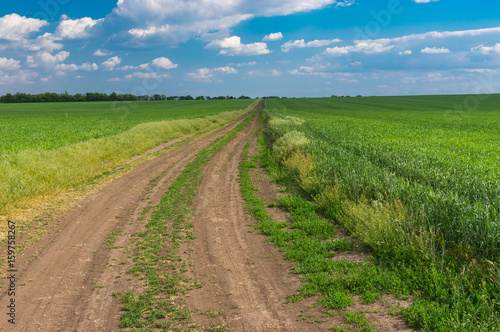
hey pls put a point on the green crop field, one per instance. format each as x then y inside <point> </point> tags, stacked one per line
<point>45,126</point>
<point>416,179</point>
<point>48,148</point>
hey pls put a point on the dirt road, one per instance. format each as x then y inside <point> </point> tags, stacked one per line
<point>57,273</point>
<point>246,280</point>
<point>62,275</point>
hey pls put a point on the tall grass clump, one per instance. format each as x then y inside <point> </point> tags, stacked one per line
<point>32,173</point>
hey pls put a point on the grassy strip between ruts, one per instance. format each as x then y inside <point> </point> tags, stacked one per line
<point>157,261</point>
<point>309,241</point>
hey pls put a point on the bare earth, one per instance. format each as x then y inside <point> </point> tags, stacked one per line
<point>68,277</point>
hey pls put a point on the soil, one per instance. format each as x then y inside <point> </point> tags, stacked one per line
<point>67,279</point>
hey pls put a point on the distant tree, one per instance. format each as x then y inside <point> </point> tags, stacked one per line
<point>200,98</point>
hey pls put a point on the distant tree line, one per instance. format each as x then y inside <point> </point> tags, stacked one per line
<point>335,96</point>
<point>50,97</point>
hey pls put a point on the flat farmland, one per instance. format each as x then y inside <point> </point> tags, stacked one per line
<point>46,126</point>
<point>308,214</point>
<point>416,179</point>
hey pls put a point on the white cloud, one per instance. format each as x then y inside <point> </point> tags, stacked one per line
<point>100,52</point>
<point>111,63</point>
<point>22,76</point>
<point>151,30</point>
<point>424,1</point>
<point>14,27</point>
<point>9,64</point>
<point>143,75</point>
<point>251,63</point>
<point>405,52</point>
<point>264,73</point>
<point>345,3</point>
<point>73,67</point>
<point>177,21</point>
<point>486,50</point>
<point>207,75</point>
<point>47,60</point>
<point>114,79</point>
<point>316,70</point>
<point>301,44</point>
<point>435,50</point>
<point>163,63</point>
<point>76,29</point>
<point>446,34</point>
<point>158,63</point>
<point>47,42</point>
<point>273,36</point>
<point>233,46</point>
<point>361,46</point>
<point>482,71</point>
<point>402,43</point>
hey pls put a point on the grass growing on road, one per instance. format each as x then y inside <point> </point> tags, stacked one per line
<point>157,261</point>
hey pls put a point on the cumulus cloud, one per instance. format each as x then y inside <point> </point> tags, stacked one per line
<point>163,63</point>
<point>73,67</point>
<point>264,73</point>
<point>316,70</point>
<point>251,63</point>
<point>46,60</point>
<point>301,44</point>
<point>424,1</point>
<point>22,76</point>
<point>111,63</point>
<point>207,75</point>
<point>9,64</point>
<point>15,27</point>
<point>402,44</point>
<point>143,75</point>
<point>486,50</point>
<point>405,52</point>
<point>233,46</point>
<point>158,63</point>
<point>47,42</point>
<point>76,29</point>
<point>361,46</point>
<point>176,21</point>
<point>435,50</point>
<point>100,52</point>
<point>273,36</point>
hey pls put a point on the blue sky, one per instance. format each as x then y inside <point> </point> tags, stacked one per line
<point>256,48</point>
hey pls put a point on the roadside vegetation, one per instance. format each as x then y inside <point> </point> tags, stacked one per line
<point>415,184</point>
